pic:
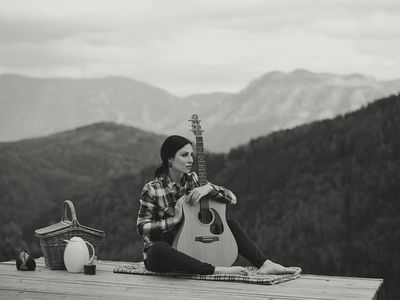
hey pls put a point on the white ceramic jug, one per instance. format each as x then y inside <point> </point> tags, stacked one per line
<point>76,254</point>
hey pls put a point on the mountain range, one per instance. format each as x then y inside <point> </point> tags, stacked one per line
<point>33,107</point>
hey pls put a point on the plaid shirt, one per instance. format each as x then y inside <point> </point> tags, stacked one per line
<point>157,201</point>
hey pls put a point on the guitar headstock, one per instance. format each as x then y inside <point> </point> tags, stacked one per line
<point>195,124</point>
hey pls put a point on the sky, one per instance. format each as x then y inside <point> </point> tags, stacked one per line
<point>198,46</point>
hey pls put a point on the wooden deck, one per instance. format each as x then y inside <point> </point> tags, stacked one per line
<point>54,284</point>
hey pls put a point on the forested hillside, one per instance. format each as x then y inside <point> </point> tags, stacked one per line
<point>36,174</point>
<point>323,196</point>
<point>326,195</point>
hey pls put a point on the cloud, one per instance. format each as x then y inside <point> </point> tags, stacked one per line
<point>188,46</point>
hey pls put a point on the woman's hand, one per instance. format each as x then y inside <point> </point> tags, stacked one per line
<point>178,210</point>
<point>199,192</point>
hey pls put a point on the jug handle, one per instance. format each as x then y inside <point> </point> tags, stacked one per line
<point>93,253</point>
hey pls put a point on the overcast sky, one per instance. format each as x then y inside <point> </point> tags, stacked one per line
<point>195,46</point>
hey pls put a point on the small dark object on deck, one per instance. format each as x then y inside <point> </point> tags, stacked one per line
<point>89,269</point>
<point>25,262</point>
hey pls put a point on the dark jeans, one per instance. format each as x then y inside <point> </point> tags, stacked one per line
<point>161,257</point>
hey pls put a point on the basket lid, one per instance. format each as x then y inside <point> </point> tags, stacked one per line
<point>54,227</point>
<point>66,224</point>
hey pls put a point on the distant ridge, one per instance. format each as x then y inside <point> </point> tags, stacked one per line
<point>32,107</point>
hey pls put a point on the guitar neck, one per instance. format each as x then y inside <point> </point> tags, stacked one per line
<point>201,161</point>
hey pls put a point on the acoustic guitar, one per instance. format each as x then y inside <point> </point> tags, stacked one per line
<point>204,233</point>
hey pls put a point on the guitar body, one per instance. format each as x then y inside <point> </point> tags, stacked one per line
<point>205,235</point>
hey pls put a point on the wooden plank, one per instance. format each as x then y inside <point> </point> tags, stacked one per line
<point>78,285</point>
<point>121,291</point>
<point>149,282</point>
<point>50,284</point>
<point>367,283</point>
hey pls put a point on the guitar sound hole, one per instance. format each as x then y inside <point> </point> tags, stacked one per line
<point>205,216</point>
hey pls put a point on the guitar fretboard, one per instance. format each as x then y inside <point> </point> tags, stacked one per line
<point>201,161</point>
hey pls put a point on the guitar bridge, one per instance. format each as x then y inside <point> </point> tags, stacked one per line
<point>206,239</point>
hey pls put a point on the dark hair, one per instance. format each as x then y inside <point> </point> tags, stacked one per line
<point>168,150</point>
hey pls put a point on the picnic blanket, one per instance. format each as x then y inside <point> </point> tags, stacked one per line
<point>138,268</point>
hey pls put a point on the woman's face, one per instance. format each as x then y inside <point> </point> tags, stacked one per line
<point>183,160</point>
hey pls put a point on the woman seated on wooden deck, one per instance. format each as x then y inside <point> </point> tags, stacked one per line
<point>161,212</point>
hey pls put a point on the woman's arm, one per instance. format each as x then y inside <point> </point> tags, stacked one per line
<point>216,192</point>
<point>222,194</point>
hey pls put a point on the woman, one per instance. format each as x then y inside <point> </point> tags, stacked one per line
<point>161,211</point>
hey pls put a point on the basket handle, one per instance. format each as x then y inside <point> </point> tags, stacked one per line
<point>70,205</point>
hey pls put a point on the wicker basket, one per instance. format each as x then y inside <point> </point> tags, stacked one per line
<point>52,237</point>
